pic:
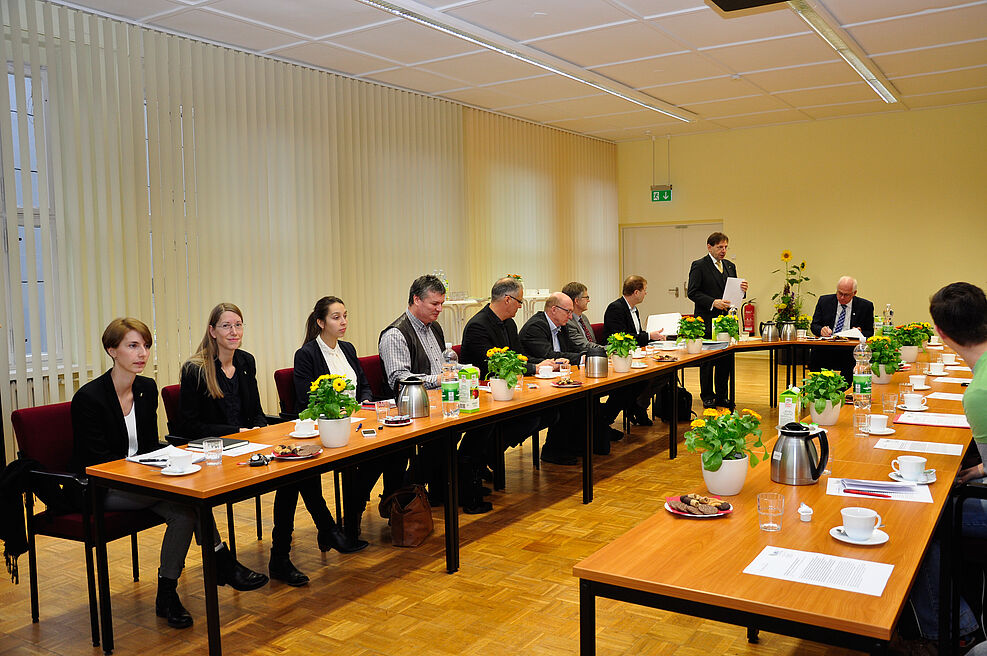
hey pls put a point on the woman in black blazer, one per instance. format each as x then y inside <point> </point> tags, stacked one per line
<point>115,416</point>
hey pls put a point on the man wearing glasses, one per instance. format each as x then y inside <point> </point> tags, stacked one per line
<point>579,329</point>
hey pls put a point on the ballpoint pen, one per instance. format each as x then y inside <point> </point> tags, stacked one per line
<point>146,460</point>
<point>866,493</point>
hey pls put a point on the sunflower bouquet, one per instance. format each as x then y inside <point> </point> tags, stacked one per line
<point>504,363</point>
<point>621,344</point>
<point>691,328</point>
<point>724,435</point>
<point>822,386</point>
<point>331,396</point>
<point>788,302</point>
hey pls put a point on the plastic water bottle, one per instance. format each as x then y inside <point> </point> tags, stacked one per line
<point>449,381</point>
<point>862,376</point>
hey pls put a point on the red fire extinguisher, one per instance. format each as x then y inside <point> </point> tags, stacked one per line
<point>748,314</point>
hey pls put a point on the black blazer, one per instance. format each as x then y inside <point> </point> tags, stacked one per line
<point>203,416</point>
<point>617,319</point>
<point>861,314</point>
<point>536,340</point>
<point>485,331</point>
<point>706,284</point>
<point>98,429</point>
<point>309,365</point>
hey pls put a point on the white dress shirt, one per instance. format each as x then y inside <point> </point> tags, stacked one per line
<point>336,360</point>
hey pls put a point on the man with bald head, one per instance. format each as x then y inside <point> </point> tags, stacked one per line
<point>834,313</point>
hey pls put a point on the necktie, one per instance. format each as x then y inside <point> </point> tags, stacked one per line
<point>840,319</point>
<point>719,266</point>
<point>586,329</point>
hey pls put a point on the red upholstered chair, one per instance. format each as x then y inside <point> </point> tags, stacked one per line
<point>597,330</point>
<point>171,398</point>
<point>44,434</point>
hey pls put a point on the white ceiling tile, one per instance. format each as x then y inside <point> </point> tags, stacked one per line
<point>135,9</point>
<point>734,106</point>
<point>546,87</point>
<point>417,80</point>
<point>646,8</point>
<point>949,98</point>
<point>763,118</point>
<point>405,42</point>
<point>853,11</point>
<point>608,45</point>
<point>333,58</point>
<point>663,70</point>
<point>529,19</point>
<point>803,77</point>
<point>593,124</point>
<point>217,27</point>
<point>536,113</point>
<point>702,29</point>
<point>844,93</point>
<point>922,30</point>
<point>852,109</point>
<point>703,90</point>
<point>928,60</point>
<point>804,49</point>
<point>939,82</point>
<point>483,68</point>
<point>485,97</point>
<point>314,19</point>
<point>601,103</point>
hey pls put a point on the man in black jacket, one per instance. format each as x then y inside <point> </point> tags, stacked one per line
<point>707,280</point>
<point>835,312</point>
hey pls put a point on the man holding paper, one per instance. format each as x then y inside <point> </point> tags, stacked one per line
<point>708,282</point>
<point>836,313</point>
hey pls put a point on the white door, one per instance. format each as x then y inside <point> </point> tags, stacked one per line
<point>663,255</point>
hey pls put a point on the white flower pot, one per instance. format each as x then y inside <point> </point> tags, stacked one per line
<point>884,378</point>
<point>693,345</point>
<point>621,365</point>
<point>909,353</point>
<point>500,390</point>
<point>827,417</point>
<point>723,337</point>
<point>728,479</point>
<point>334,433</point>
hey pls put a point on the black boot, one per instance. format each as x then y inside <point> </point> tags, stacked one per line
<point>230,572</point>
<point>331,537</point>
<point>169,606</point>
<point>282,569</point>
<point>471,488</point>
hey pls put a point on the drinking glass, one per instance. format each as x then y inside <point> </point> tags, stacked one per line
<point>565,369</point>
<point>381,408</point>
<point>889,402</point>
<point>213,450</point>
<point>770,506</point>
<point>860,424</point>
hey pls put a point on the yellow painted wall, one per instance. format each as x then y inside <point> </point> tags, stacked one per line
<point>898,201</point>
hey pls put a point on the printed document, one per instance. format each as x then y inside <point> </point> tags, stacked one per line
<point>838,487</point>
<point>733,293</point>
<point>941,419</point>
<point>827,571</point>
<point>916,446</point>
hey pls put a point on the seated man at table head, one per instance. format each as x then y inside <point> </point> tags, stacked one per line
<point>835,312</point>
<point>413,343</point>
<point>578,328</point>
<point>622,315</point>
<point>114,417</point>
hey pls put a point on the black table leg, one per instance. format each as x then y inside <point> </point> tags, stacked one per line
<point>752,633</point>
<point>206,533</point>
<point>588,451</point>
<point>772,379</point>
<point>102,571</point>
<point>500,470</point>
<point>452,502</point>
<point>673,421</point>
<point>733,381</point>
<point>587,620</point>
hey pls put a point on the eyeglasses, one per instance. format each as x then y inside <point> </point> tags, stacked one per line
<point>227,327</point>
<point>516,300</point>
<point>568,312</point>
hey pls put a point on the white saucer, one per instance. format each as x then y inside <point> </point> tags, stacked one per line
<point>921,388</point>
<point>916,409</point>
<point>302,436</point>
<point>945,373</point>
<point>638,365</point>
<point>901,479</point>
<point>190,470</point>
<point>554,374</point>
<point>879,537</point>
<point>886,431</point>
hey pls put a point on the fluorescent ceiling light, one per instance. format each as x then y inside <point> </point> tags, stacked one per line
<point>823,24</point>
<point>460,29</point>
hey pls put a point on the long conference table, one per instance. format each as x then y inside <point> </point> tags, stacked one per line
<point>217,485</point>
<point>697,567</point>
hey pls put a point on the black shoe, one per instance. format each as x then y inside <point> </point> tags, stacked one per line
<point>559,458</point>
<point>640,417</point>
<point>614,435</point>
<point>709,404</point>
<point>485,491</point>
<point>330,537</point>
<point>478,508</point>
<point>169,606</point>
<point>723,403</point>
<point>282,569</point>
<point>230,572</point>
<point>602,447</point>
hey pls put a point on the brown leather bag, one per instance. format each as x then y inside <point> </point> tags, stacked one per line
<point>410,516</point>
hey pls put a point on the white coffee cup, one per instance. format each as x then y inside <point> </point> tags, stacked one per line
<point>878,423</point>
<point>910,468</point>
<point>918,380</point>
<point>937,368</point>
<point>304,426</point>
<point>860,523</point>
<point>913,401</point>
<point>949,358</point>
<point>180,462</point>
<point>934,340</point>
<point>545,370</point>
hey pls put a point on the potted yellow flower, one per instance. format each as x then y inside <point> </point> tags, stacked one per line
<point>619,347</point>
<point>331,400</point>
<point>503,368</point>
<point>727,441</point>
<point>823,393</point>
<point>910,336</point>
<point>691,331</point>
<point>726,327</point>
<point>885,358</point>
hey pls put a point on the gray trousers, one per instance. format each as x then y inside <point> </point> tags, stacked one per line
<point>181,522</point>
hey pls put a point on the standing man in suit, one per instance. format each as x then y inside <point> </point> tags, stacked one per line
<point>835,312</point>
<point>707,280</point>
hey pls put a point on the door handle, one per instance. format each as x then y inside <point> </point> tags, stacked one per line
<point>674,289</point>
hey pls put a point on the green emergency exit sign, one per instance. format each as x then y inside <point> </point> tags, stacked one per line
<point>661,195</point>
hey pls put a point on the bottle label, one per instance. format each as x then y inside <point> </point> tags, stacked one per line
<point>450,391</point>
<point>861,383</point>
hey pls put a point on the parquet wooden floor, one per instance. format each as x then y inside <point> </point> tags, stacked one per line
<point>514,593</point>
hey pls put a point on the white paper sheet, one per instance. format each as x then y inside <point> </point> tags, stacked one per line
<point>244,449</point>
<point>733,292</point>
<point>851,333</point>
<point>849,574</point>
<point>916,446</point>
<point>897,491</point>
<point>958,367</point>
<point>667,323</point>
<point>951,379</point>
<point>933,347</point>
<point>940,419</point>
<point>945,396</point>
<point>162,454</point>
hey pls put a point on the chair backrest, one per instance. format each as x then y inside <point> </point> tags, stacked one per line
<point>284,381</point>
<point>373,368</point>
<point>171,397</point>
<point>597,330</point>
<point>44,433</point>
<point>458,348</point>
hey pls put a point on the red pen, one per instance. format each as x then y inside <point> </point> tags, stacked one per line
<point>867,494</point>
